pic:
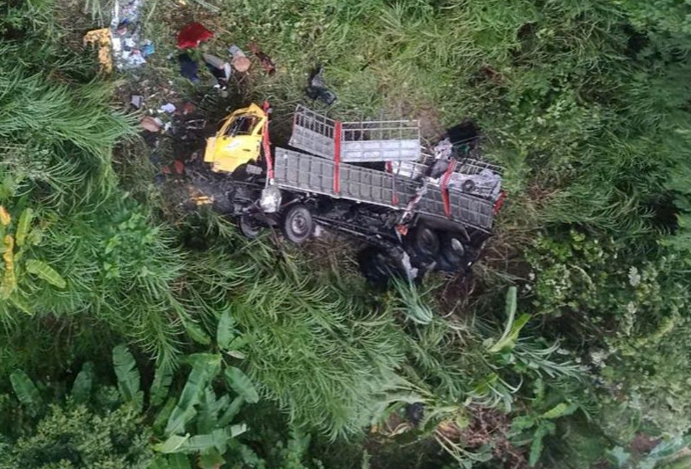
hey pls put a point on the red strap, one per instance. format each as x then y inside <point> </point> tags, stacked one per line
<point>267,143</point>
<point>500,201</point>
<point>337,157</point>
<point>445,188</point>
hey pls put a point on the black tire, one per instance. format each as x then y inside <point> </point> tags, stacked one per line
<point>468,185</point>
<point>298,224</point>
<point>453,249</point>
<point>376,266</point>
<point>249,227</point>
<point>425,242</point>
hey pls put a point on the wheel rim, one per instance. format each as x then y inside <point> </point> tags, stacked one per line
<point>249,226</point>
<point>457,247</point>
<point>299,224</point>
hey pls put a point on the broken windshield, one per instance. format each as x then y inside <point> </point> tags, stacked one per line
<point>242,125</point>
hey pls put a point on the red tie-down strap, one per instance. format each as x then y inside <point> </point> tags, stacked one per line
<point>266,141</point>
<point>445,188</point>
<point>394,190</point>
<point>337,157</point>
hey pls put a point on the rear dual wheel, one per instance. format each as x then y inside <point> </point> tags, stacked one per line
<point>448,250</point>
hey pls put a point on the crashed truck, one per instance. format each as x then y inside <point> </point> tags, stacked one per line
<point>416,210</point>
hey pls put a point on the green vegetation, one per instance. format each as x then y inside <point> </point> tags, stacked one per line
<point>135,335</point>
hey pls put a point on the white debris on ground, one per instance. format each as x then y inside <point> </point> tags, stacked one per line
<point>129,50</point>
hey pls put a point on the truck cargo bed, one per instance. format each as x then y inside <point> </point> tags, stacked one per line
<point>307,173</point>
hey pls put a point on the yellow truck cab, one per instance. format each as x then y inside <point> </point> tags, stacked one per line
<point>239,140</point>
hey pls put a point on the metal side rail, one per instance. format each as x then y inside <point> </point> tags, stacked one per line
<point>355,142</point>
<point>307,173</point>
<point>464,208</point>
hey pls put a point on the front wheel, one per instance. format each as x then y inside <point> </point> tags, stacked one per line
<point>249,226</point>
<point>298,224</point>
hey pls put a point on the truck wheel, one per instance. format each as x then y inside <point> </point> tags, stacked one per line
<point>452,249</point>
<point>375,266</point>
<point>298,224</point>
<point>249,226</point>
<point>425,242</point>
<point>468,185</point>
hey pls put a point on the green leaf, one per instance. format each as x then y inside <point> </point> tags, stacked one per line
<point>217,439</point>
<point>45,272</point>
<point>128,375</point>
<point>536,448</point>
<point>209,409</point>
<point>226,330</point>
<point>212,459</point>
<point>197,334</point>
<point>161,384</point>
<point>178,461</point>
<point>23,226</point>
<point>173,444</point>
<point>20,304</point>
<point>159,462</point>
<point>512,328</point>
<point>238,429</point>
<point>560,410</point>
<point>25,390</point>
<point>618,456</point>
<point>170,461</point>
<point>230,413</point>
<point>510,336</point>
<point>204,368</point>
<point>522,423</point>
<point>163,416</point>
<point>242,385</point>
<point>543,429</point>
<point>83,384</point>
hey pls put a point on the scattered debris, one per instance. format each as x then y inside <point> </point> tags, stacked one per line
<point>192,35</point>
<point>267,64</point>
<point>240,61</point>
<point>148,49</point>
<point>188,108</point>
<point>102,38</point>
<point>137,101</point>
<point>219,68</point>
<point>128,49</point>
<point>179,166</point>
<point>168,107</point>
<point>188,68</point>
<point>316,88</point>
<point>151,124</point>
<point>195,124</point>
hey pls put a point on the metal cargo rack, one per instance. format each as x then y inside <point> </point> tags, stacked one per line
<point>355,142</point>
<point>466,168</point>
<point>464,208</point>
<point>307,173</point>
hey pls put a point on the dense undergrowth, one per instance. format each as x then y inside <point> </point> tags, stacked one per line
<point>571,352</point>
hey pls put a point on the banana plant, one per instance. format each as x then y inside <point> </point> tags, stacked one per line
<point>199,422</point>
<point>17,240</point>
<point>197,425</point>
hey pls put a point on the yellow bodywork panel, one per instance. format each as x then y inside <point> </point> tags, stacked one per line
<point>239,140</point>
